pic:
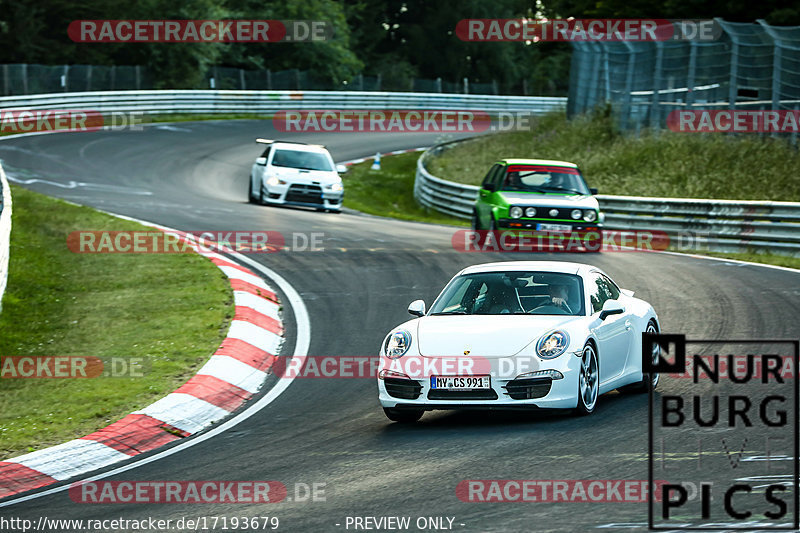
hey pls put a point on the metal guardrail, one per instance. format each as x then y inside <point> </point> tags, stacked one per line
<point>697,224</point>
<point>261,102</point>
<point>5,231</point>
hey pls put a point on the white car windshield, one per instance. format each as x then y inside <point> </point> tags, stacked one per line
<point>514,293</point>
<point>301,160</point>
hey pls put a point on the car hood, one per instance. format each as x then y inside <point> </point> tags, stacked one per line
<point>295,175</point>
<point>483,335</point>
<point>550,200</point>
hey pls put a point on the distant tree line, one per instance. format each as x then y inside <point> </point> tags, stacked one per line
<point>395,39</point>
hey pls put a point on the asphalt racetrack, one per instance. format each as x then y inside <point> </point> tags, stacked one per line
<point>193,176</point>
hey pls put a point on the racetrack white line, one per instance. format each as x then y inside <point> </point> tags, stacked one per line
<point>300,351</point>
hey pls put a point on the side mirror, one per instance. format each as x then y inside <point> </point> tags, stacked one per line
<point>611,307</point>
<point>417,308</point>
<point>261,161</point>
<point>341,169</point>
<point>593,190</point>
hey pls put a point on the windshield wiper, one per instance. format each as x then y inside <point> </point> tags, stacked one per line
<point>449,313</point>
<point>562,189</point>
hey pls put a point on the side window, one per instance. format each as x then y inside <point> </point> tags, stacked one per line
<point>600,290</point>
<point>612,288</point>
<point>490,176</point>
<point>266,152</point>
<point>499,177</point>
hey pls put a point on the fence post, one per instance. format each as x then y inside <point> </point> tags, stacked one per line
<point>776,69</point>
<point>438,85</point>
<point>24,78</point>
<point>297,79</point>
<point>5,79</point>
<point>241,80</point>
<point>378,83</point>
<point>65,78</point>
<point>89,78</point>
<point>466,86</point>
<point>138,78</point>
<point>626,100</point>
<point>655,114</point>
<point>113,76</point>
<point>690,77</point>
<point>269,80</point>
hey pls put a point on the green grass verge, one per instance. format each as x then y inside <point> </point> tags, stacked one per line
<point>389,191</point>
<point>172,309</point>
<point>661,164</point>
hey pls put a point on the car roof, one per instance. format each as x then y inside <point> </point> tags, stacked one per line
<point>540,266</point>
<point>539,162</point>
<point>299,147</point>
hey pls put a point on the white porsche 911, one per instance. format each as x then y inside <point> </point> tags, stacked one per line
<point>530,334</point>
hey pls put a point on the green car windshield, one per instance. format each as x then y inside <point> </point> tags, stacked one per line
<point>544,178</point>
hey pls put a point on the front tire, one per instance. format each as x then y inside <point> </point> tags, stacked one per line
<point>588,381</point>
<point>404,416</point>
<point>250,197</point>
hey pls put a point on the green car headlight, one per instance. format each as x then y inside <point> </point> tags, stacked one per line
<point>590,216</point>
<point>515,212</point>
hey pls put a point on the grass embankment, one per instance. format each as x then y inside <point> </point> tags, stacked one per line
<point>389,191</point>
<point>665,164</point>
<point>171,309</point>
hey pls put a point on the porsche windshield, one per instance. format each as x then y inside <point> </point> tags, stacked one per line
<point>544,178</point>
<point>514,293</point>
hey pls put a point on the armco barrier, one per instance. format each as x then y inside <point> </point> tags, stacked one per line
<point>261,102</point>
<point>5,231</point>
<point>713,225</point>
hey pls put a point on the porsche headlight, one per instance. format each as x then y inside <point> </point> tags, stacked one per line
<point>398,344</point>
<point>590,216</point>
<point>552,345</point>
<point>515,212</point>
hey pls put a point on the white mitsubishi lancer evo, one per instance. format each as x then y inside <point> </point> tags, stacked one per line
<point>297,174</point>
<point>529,334</point>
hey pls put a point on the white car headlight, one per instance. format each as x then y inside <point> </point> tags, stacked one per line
<point>515,211</point>
<point>398,344</point>
<point>336,187</point>
<point>530,212</point>
<point>590,216</point>
<point>552,345</point>
<point>272,180</point>
<point>576,214</point>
